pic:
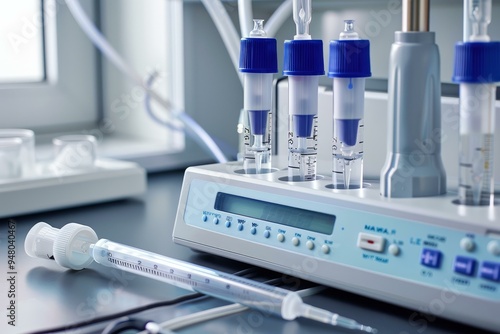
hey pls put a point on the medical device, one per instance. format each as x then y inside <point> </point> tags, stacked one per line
<point>258,62</point>
<point>477,71</point>
<point>413,166</point>
<point>303,64</point>
<point>349,65</point>
<point>76,246</point>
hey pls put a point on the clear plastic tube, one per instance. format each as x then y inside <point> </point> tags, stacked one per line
<point>198,133</point>
<point>245,14</point>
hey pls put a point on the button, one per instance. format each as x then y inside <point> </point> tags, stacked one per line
<point>215,220</point>
<point>467,244</point>
<point>310,244</point>
<point>371,242</point>
<point>490,271</point>
<point>494,247</point>
<point>204,218</point>
<point>280,237</point>
<point>430,258</point>
<point>228,223</point>
<point>465,265</point>
<point>394,249</point>
<point>295,241</point>
<point>267,234</point>
<point>325,249</point>
<point>253,230</point>
<point>240,227</point>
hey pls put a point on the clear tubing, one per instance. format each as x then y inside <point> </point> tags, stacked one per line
<point>279,17</point>
<point>226,30</point>
<point>245,14</point>
<point>196,131</point>
<point>476,151</point>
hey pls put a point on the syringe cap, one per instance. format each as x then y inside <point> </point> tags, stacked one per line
<point>303,57</point>
<point>349,59</point>
<point>258,55</point>
<point>477,62</point>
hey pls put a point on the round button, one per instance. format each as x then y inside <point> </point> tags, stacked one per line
<point>253,230</point>
<point>325,249</point>
<point>394,249</point>
<point>240,227</point>
<point>295,241</point>
<point>204,218</point>
<point>267,234</point>
<point>228,223</point>
<point>494,247</point>
<point>280,237</point>
<point>310,244</point>
<point>467,244</point>
<point>216,220</point>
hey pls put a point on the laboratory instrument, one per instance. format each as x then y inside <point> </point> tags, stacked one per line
<point>349,65</point>
<point>427,253</point>
<point>76,246</point>
<point>258,62</point>
<point>303,64</point>
<point>477,71</point>
<point>413,165</point>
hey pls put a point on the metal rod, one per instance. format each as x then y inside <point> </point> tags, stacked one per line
<point>416,15</point>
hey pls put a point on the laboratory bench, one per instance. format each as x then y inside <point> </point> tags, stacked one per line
<point>50,297</point>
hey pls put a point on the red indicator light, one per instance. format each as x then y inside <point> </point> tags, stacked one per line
<point>370,241</point>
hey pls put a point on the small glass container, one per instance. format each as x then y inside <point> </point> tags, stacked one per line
<point>74,152</point>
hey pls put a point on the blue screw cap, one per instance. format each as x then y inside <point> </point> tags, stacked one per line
<point>303,57</point>
<point>349,59</point>
<point>477,62</point>
<point>258,55</point>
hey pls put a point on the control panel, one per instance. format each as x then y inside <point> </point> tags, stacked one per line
<point>406,251</point>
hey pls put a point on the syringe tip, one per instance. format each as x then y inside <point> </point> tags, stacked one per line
<point>368,329</point>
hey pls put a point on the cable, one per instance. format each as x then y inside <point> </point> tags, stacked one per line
<point>280,15</point>
<point>125,313</point>
<point>102,44</point>
<point>149,110</point>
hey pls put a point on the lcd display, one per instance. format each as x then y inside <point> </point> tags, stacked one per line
<point>276,213</point>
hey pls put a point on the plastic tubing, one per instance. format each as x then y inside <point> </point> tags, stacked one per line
<point>245,14</point>
<point>226,30</point>
<point>280,15</point>
<point>194,129</point>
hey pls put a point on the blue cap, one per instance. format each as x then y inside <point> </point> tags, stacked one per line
<point>303,57</point>
<point>258,55</point>
<point>477,62</point>
<point>349,59</point>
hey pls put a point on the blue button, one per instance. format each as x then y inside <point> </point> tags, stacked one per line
<point>216,220</point>
<point>465,265</point>
<point>240,227</point>
<point>430,258</point>
<point>204,218</point>
<point>267,234</point>
<point>228,223</point>
<point>490,271</point>
<point>253,230</point>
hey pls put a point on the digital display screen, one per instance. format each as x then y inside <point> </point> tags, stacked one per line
<point>276,213</point>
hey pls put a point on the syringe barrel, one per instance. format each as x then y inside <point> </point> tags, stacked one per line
<point>257,94</point>
<point>477,108</point>
<point>196,278</point>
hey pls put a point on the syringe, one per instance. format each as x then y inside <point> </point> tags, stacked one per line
<point>303,64</point>
<point>76,246</point>
<point>477,70</point>
<point>258,62</point>
<point>349,65</point>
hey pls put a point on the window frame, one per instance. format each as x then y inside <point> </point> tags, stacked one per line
<point>59,102</point>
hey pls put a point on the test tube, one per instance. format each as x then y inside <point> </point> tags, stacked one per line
<point>258,62</point>
<point>349,65</point>
<point>477,70</point>
<point>303,64</point>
